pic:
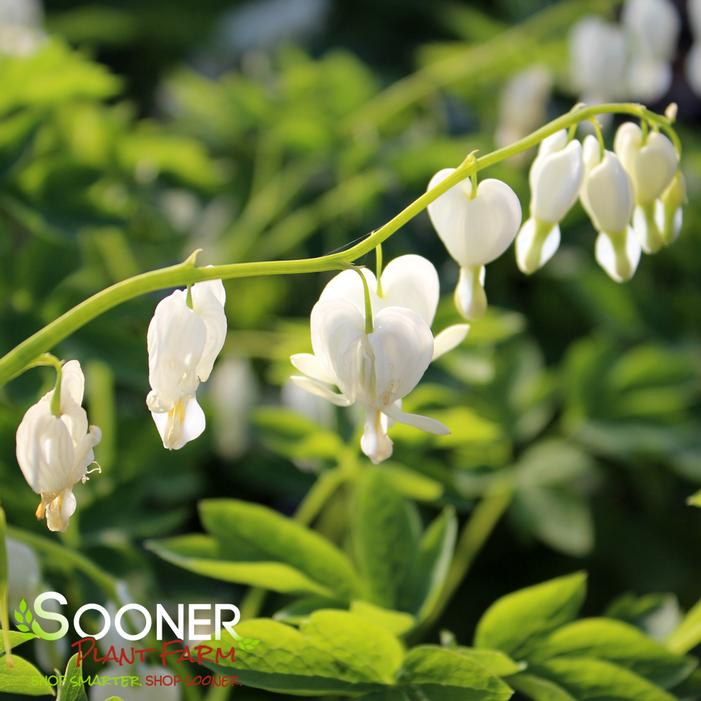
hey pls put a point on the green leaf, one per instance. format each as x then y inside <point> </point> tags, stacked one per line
<point>539,689</point>
<point>397,622</point>
<point>201,554</point>
<point>412,484</point>
<point>436,548</point>
<point>688,634</point>
<point>17,639</point>
<point>518,621</point>
<point>432,668</point>
<point>587,679</point>
<point>250,532</point>
<point>22,678</point>
<point>384,532</point>
<point>494,661</point>
<point>695,499</point>
<point>334,652</point>
<point>618,642</point>
<point>72,686</point>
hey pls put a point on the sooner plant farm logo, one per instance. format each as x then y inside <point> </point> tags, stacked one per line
<point>192,622</point>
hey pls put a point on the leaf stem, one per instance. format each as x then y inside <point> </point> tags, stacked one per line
<point>473,536</point>
<point>16,360</point>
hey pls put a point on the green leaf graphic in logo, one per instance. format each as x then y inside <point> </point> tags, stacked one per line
<point>23,617</point>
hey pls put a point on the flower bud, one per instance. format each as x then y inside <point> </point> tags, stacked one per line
<point>476,228</point>
<point>55,450</point>
<point>651,166</point>
<point>668,209</point>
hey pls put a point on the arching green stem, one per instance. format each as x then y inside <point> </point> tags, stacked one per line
<point>187,273</point>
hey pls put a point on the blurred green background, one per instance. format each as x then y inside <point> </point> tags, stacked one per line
<point>132,133</point>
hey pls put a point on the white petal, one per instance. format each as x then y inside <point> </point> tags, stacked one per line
<point>319,389</point>
<point>424,423</point>
<point>607,195</point>
<point>470,297</point>
<point>647,231</point>
<point>591,152</point>
<point>59,510</point>
<point>336,329</point>
<point>668,222</point>
<point>448,339</point>
<point>475,231</point>
<point>618,254</point>
<point>208,300</point>
<point>651,166</point>
<point>556,184</point>
<point>649,79</point>
<point>348,285</point>
<point>72,383</point>
<point>536,244</point>
<point>176,341</point>
<point>402,345</point>
<point>553,143</point>
<point>375,443</point>
<point>182,424</point>
<point>411,281</point>
<point>653,27</point>
<point>308,364</point>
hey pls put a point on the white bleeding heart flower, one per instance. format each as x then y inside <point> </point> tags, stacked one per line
<point>607,197</point>
<point>649,79</point>
<point>668,209</point>
<point>409,281</point>
<point>555,179</point>
<point>652,27</point>
<point>523,104</point>
<point>373,369</point>
<point>183,343</point>
<point>475,230</point>
<point>54,451</point>
<point>598,57</point>
<point>694,10</point>
<point>651,166</point>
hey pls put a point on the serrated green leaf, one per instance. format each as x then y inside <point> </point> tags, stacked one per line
<point>334,652</point>
<point>71,688</point>
<point>257,533</point>
<point>384,533</point>
<point>617,642</point>
<point>518,621</point>
<point>201,554</point>
<point>588,679</point>
<point>448,673</point>
<point>22,678</point>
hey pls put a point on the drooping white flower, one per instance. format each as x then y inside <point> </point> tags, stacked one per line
<point>183,343</point>
<point>668,209</point>
<point>555,178</point>
<point>607,196</point>
<point>21,32</point>
<point>597,60</point>
<point>376,370</point>
<point>523,104</point>
<point>651,166</point>
<point>54,452</point>
<point>409,281</point>
<point>652,27</point>
<point>475,230</point>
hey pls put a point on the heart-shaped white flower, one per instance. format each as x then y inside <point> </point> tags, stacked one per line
<point>475,230</point>
<point>555,179</point>
<point>54,452</point>
<point>375,370</point>
<point>183,343</point>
